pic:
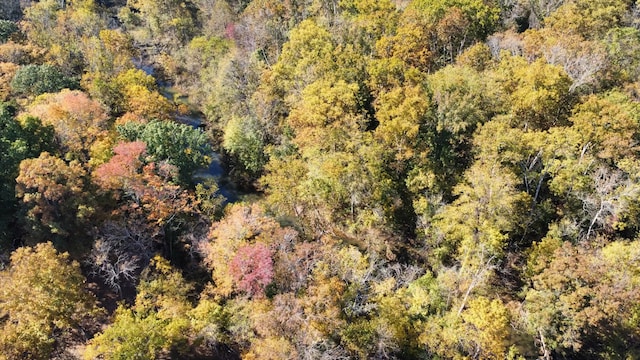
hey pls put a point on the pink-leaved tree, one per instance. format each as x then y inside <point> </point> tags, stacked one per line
<point>252,268</point>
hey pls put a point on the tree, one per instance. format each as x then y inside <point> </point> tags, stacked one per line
<point>146,104</point>
<point>252,268</point>
<point>43,300</point>
<point>54,201</point>
<point>461,98</point>
<point>154,325</point>
<point>407,44</point>
<point>107,55</point>
<point>369,21</point>
<point>609,122</point>
<point>78,121</point>
<point>537,94</point>
<point>305,58</point>
<point>489,325</point>
<point>478,222</point>
<point>590,19</point>
<point>325,116</point>
<point>123,167</point>
<point>589,165</point>
<point>266,25</point>
<point>621,46</point>
<point>60,27</point>
<point>402,112</point>
<point>199,64</point>
<point>10,10</point>
<point>271,348</point>
<point>585,61</point>
<point>40,20</point>
<point>132,91</point>
<point>7,28</point>
<point>39,79</point>
<point>477,57</point>
<point>121,250</point>
<point>570,305</point>
<point>149,213</point>
<point>447,26</point>
<point>180,145</point>
<point>215,16</point>
<point>543,8</point>
<point>461,101</point>
<point>20,53</point>
<point>110,53</point>
<point>19,140</point>
<point>243,138</point>
<point>323,302</point>
<point>210,201</point>
<point>282,186</point>
<point>241,250</point>
<point>163,23</point>
<point>7,72</point>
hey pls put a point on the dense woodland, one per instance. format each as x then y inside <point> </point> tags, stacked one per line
<point>426,179</point>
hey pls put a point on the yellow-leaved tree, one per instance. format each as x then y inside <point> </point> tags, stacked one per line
<point>43,300</point>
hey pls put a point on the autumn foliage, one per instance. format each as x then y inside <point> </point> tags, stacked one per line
<point>252,268</point>
<point>344,179</point>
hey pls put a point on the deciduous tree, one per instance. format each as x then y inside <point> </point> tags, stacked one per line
<point>39,79</point>
<point>154,325</point>
<point>78,121</point>
<point>54,201</point>
<point>19,140</point>
<point>582,298</point>
<point>43,299</point>
<point>180,145</point>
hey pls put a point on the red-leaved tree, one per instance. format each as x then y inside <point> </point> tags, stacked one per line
<point>125,164</point>
<point>252,268</point>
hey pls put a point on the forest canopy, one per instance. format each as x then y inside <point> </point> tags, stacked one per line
<point>319,179</point>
